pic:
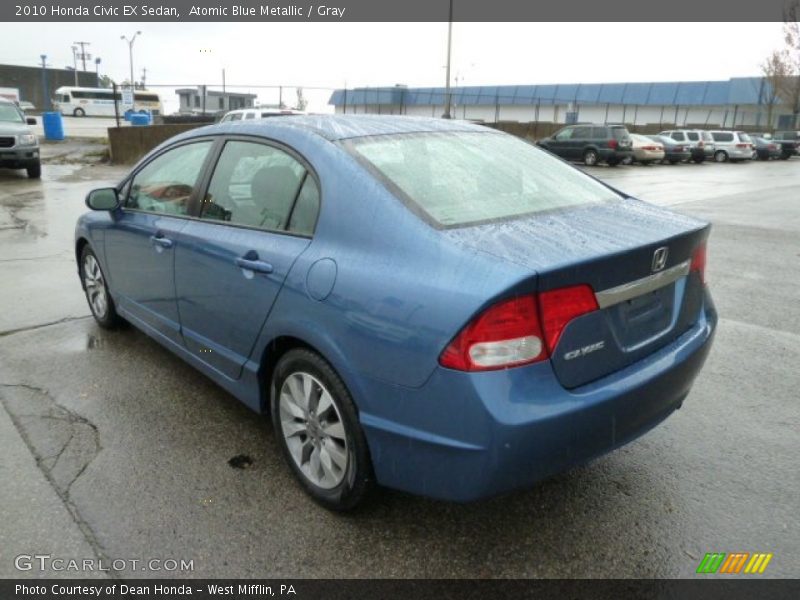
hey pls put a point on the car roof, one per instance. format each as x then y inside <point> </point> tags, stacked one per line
<point>339,127</point>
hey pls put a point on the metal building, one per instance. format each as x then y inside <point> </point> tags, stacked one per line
<point>737,102</point>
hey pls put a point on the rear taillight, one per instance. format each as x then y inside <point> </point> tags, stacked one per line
<point>612,144</point>
<point>559,307</point>
<point>699,261</point>
<point>516,332</point>
<point>742,145</point>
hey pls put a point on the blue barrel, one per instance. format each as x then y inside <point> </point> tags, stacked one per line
<point>53,126</point>
<point>138,120</point>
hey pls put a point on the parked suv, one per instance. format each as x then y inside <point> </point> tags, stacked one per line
<point>789,141</point>
<point>732,146</point>
<point>700,143</point>
<point>591,143</point>
<point>19,147</point>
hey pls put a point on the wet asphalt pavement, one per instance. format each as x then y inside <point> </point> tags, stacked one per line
<point>112,447</point>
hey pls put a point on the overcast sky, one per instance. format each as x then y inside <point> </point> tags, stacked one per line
<point>328,54</point>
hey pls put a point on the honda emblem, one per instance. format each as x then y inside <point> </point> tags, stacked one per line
<point>660,258</point>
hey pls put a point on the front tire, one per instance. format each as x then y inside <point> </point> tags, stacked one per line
<point>94,285</point>
<point>316,424</point>
<point>78,112</point>
<point>34,171</point>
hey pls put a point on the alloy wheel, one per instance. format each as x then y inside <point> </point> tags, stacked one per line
<point>95,286</point>
<point>313,429</point>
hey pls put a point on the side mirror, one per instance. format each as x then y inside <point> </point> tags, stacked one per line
<point>103,199</point>
<point>30,121</point>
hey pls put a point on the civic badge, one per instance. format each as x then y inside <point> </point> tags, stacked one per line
<point>660,258</point>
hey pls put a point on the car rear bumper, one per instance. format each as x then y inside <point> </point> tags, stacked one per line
<point>467,436</point>
<point>19,158</point>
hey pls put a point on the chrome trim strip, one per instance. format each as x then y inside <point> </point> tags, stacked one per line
<point>626,291</point>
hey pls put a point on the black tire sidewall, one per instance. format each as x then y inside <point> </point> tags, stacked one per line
<point>358,479</point>
<point>34,171</point>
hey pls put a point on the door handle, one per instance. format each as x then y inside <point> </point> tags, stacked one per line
<point>254,265</point>
<point>160,240</point>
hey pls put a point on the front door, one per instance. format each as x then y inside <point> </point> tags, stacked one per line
<point>140,245</point>
<point>257,217</point>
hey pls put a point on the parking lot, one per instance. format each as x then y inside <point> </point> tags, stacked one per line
<point>114,448</point>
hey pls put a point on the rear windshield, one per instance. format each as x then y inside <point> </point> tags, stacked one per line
<point>743,137</point>
<point>460,178</point>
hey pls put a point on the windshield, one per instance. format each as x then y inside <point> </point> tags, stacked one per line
<point>9,112</point>
<point>462,178</point>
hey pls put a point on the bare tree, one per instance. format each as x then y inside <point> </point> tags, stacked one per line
<point>301,100</point>
<point>790,89</point>
<point>775,70</point>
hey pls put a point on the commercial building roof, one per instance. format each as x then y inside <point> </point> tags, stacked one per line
<point>739,90</point>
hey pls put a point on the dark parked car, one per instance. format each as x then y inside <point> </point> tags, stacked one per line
<point>765,149</point>
<point>789,142</point>
<point>591,143</point>
<point>674,152</point>
<point>431,305</point>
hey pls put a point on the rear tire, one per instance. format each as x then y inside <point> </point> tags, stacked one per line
<point>94,286</point>
<point>324,446</point>
<point>590,158</point>
<point>34,171</point>
<point>721,156</point>
<point>78,112</point>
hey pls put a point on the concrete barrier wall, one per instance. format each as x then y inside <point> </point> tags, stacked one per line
<point>129,144</point>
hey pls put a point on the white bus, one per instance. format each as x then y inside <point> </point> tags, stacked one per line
<point>99,102</point>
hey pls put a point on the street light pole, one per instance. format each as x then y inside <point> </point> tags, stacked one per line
<point>130,56</point>
<point>97,71</point>
<point>44,82</point>
<point>75,63</point>
<point>447,96</point>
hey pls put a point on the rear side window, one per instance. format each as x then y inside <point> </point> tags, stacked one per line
<point>599,133</point>
<point>582,133</point>
<point>254,185</point>
<point>166,183</point>
<point>306,209</point>
<point>722,136</point>
<point>620,133</point>
<point>460,178</point>
<point>693,136</point>
<point>250,116</point>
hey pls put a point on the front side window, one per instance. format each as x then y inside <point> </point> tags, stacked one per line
<point>256,185</point>
<point>582,133</point>
<point>564,134</point>
<point>167,182</point>
<point>461,178</point>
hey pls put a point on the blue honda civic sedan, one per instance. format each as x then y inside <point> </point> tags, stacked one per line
<point>429,305</point>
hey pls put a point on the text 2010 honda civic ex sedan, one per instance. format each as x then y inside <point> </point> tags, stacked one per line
<point>431,305</point>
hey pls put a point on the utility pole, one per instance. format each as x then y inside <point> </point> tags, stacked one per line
<point>45,93</point>
<point>448,96</point>
<point>75,63</point>
<point>226,105</point>
<point>144,77</point>
<point>97,62</point>
<point>83,54</point>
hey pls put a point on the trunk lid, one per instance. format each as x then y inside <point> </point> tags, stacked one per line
<point>636,258</point>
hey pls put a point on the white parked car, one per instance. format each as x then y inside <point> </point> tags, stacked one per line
<point>732,146</point>
<point>646,150</point>
<point>244,114</point>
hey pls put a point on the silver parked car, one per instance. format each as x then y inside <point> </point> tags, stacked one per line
<point>700,143</point>
<point>732,146</point>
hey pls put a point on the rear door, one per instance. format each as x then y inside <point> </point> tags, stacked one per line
<point>257,217</point>
<point>140,246</point>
